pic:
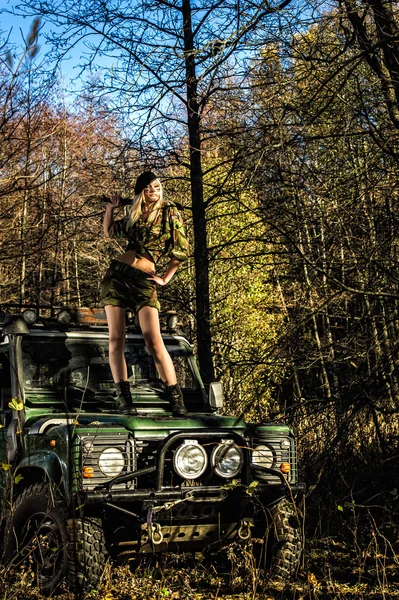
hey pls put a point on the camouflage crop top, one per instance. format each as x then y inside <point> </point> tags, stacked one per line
<point>164,237</point>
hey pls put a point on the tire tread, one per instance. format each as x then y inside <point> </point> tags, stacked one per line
<point>288,542</point>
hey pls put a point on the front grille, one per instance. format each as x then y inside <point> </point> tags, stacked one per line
<point>92,447</point>
<point>147,452</point>
<point>280,455</point>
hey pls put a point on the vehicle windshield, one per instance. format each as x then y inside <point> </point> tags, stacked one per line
<point>53,363</point>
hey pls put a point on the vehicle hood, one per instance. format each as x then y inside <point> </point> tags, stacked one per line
<point>162,424</point>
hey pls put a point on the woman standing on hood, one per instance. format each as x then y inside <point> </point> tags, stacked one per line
<point>153,229</point>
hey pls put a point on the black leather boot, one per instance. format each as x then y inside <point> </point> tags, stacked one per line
<point>125,400</point>
<point>175,397</point>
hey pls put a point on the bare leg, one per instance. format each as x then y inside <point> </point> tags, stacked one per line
<point>116,327</point>
<point>149,323</point>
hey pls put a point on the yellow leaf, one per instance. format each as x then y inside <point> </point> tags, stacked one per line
<point>253,483</point>
<point>5,466</point>
<point>95,423</point>
<point>16,404</point>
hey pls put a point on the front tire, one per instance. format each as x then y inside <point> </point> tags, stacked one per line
<point>40,535</point>
<point>286,541</point>
<point>87,554</point>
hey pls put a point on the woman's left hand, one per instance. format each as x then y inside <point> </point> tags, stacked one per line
<point>157,279</point>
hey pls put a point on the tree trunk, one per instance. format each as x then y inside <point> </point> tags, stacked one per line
<point>197,195</point>
<point>320,352</point>
<point>24,214</point>
<point>77,280</point>
<point>297,395</point>
<point>386,70</point>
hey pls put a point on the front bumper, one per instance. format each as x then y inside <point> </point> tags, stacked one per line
<point>147,521</point>
<point>268,493</point>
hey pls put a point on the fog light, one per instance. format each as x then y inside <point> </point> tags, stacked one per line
<point>227,460</point>
<point>29,316</point>
<point>285,467</point>
<point>190,460</point>
<point>64,317</point>
<point>172,321</point>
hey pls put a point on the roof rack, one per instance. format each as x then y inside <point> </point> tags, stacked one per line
<point>52,310</point>
<point>64,316</point>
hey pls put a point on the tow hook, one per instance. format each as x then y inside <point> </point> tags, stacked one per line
<point>244,531</point>
<point>155,534</point>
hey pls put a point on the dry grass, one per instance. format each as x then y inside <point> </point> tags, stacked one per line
<point>331,571</point>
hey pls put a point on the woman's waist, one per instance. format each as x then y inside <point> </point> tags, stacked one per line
<point>141,263</point>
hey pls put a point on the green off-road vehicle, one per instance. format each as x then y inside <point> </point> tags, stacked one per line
<point>80,482</point>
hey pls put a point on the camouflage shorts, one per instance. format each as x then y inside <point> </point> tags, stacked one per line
<point>128,288</point>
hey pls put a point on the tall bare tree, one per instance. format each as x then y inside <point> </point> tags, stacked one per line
<point>375,27</point>
<point>169,57</point>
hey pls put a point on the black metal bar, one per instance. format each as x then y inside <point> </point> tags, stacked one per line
<point>123,510</point>
<point>270,471</point>
<point>29,305</point>
<point>274,491</point>
<point>195,434</point>
<point>125,478</point>
<point>296,488</point>
<point>100,496</point>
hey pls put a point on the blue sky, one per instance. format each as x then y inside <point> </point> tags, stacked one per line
<point>16,28</point>
<point>9,22</point>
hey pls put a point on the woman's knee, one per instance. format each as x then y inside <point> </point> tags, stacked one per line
<point>116,343</point>
<point>154,343</point>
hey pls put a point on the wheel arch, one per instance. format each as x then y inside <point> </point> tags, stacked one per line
<point>40,467</point>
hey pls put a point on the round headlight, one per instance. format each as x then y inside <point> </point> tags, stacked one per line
<point>190,460</point>
<point>227,460</point>
<point>112,462</point>
<point>262,456</point>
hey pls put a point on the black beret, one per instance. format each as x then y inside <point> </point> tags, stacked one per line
<point>143,180</point>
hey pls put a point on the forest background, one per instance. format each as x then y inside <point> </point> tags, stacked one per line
<point>276,126</point>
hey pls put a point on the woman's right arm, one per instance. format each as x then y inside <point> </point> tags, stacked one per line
<point>108,220</point>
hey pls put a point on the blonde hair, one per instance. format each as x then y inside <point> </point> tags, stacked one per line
<point>136,208</point>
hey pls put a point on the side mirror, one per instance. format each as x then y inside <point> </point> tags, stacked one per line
<point>216,395</point>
